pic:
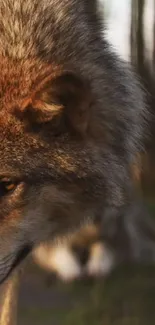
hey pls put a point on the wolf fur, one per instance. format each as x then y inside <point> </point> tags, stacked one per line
<point>72,119</point>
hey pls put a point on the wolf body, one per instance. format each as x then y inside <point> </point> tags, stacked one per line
<point>72,119</point>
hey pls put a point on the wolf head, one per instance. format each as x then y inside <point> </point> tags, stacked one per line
<point>71,119</point>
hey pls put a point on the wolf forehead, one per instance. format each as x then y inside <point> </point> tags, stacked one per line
<point>28,27</point>
<point>21,79</point>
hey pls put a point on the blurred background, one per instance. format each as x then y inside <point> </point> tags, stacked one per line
<point>65,283</point>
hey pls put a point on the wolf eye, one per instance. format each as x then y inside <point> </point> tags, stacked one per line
<point>6,186</point>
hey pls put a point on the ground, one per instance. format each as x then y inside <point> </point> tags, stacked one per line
<point>127,297</point>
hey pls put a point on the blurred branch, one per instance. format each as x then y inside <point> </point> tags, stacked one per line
<point>154,39</point>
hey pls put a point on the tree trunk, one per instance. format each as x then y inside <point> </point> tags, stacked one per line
<point>137,35</point>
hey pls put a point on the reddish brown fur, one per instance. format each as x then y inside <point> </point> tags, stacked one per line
<point>21,80</point>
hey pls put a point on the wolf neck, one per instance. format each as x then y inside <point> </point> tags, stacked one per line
<point>8,300</point>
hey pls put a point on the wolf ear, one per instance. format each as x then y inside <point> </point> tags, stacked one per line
<point>67,96</point>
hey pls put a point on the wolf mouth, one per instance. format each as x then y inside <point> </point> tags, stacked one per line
<point>20,256</point>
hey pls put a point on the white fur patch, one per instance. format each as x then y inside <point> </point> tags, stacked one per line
<point>59,259</point>
<point>101,260</point>
<point>65,264</point>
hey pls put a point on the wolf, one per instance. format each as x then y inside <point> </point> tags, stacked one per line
<point>72,119</point>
